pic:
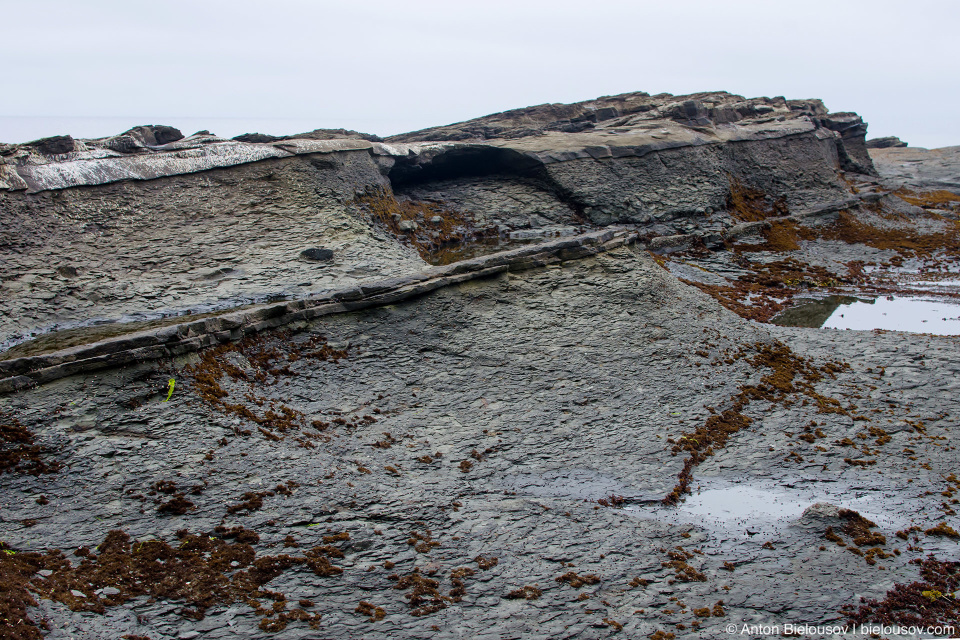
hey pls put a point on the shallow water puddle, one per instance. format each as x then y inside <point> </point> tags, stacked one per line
<point>892,313</point>
<point>745,510</point>
<point>743,503</point>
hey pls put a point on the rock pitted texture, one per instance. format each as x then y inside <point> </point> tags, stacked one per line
<point>177,339</point>
<point>197,242</point>
<point>500,412</point>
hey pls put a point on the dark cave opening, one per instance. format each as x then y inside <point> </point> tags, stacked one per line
<point>464,162</point>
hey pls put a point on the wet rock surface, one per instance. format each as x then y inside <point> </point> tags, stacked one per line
<point>594,435</point>
<point>435,423</point>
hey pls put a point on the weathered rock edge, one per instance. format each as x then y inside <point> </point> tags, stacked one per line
<point>153,344</point>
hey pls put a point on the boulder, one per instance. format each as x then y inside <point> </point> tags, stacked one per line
<point>138,138</point>
<point>317,254</point>
<point>53,145</point>
<point>885,143</point>
<point>154,134</point>
<point>124,144</point>
<point>257,138</point>
<point>692,111</point>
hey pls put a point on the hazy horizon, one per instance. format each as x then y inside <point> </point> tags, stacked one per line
<point>383,68</point>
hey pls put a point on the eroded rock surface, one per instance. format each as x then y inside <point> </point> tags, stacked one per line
<point>595,436</point>
<point>151,224</point>
<point>199,242</point>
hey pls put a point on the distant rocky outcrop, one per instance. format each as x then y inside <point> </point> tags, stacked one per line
<point>54,145</point>
<point>919,168</point>
<point>138,138</point>
<point>522,141</point>
<point>885,143</point>
<point>257,138</point>
<point>316,134</point>
<point>617,112</point>
<point>623,113</point>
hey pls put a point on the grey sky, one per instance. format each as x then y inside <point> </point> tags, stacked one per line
<point>388,67</point>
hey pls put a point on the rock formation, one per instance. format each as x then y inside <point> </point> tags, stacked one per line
<point>919,168</point>
<point>511,377</point>
<point>661,161</point>
<point>885,143</point>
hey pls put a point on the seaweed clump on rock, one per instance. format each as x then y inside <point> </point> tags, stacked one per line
<point>19,451</point>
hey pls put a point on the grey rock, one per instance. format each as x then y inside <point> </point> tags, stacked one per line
<point>821,511</point>
<point>491,401</point>
<point>317,254</point>
<point>54,145</point>
<point>569,412</point>
<point>124,144</point>
<point>851,148</point>
<point>190,336</point>
<point>918,168</point>
<point>885,143</point>
<point>154,135</point>
<point>257,138</point>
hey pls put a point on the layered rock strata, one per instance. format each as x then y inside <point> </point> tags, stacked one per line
<point>149,224</point>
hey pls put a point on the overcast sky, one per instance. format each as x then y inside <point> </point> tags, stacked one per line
<point>86,67</point>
